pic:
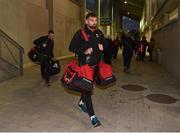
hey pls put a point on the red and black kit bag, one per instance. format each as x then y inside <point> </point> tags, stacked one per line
<point>105,75</point>
<point>78,78</point>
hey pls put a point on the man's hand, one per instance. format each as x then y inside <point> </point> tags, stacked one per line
<point>100,47</point>
<point>88,51</point>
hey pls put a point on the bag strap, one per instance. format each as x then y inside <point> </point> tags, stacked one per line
<point>85,35</point>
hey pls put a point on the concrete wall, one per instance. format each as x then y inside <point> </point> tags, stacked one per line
<point>24,20</point>
<point>166,34</point>
<point>66,22</point>
<point>168,40</point>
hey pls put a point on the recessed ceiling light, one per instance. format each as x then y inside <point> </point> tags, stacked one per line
<point>128,13</point>
<point>125,2</point>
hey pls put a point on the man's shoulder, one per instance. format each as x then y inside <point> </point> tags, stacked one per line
<point>99,31</point>
<point>44,37</point>
<point>78,32</point>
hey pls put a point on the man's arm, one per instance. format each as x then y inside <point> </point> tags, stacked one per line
<point>52,52</point>
<point>76,44</point>
<point>38,41</point>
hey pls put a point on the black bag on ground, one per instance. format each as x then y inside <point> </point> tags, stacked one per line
<point>36,56</point>
<point>55,67</point>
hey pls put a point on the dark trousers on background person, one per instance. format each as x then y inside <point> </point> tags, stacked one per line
<point>127,61</point>
<point>140,56</point>
<point>127,55</point>
<point>115,52</point>
<point>150,54</point>
<point>45,72</point>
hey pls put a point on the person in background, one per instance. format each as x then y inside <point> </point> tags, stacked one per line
<point>128,46</point>
<point>116,47</point>
<point>151,48</point>
<point>141,49</point>
<point>45,46</point>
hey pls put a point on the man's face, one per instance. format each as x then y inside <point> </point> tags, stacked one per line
<point>51,36</point>
<point>91,22</point>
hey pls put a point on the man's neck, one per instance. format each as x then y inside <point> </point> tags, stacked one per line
<point>91,28</point>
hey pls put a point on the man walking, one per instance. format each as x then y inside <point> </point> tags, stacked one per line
<point>88,44</point>
<point>45,46</point>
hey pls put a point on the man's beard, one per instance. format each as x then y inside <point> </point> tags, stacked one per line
<point>93,27</point>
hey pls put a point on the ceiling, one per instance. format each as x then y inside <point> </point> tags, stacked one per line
<point>134,7</point>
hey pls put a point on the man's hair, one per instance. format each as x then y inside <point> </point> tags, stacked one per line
<point>90,15</point>
<point>50,31</point>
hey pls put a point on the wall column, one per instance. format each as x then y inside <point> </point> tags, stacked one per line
<point>49,6</point>
<point>97,11</point>
<point>83,12</point>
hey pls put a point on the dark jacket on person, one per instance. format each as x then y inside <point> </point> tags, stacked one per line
<point>79,45</point>
<point>128,46</point>
<point>45,46</point>
<point>109,48</point>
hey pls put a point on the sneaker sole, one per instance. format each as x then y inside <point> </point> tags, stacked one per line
<point>97,125</point>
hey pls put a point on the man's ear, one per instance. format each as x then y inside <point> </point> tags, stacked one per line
<point>86,21</point>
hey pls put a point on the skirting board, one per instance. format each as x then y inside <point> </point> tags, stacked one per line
<point>65,57</point>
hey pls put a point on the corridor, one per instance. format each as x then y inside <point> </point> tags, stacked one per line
<point>27,105</point>
<point>146,99</point>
